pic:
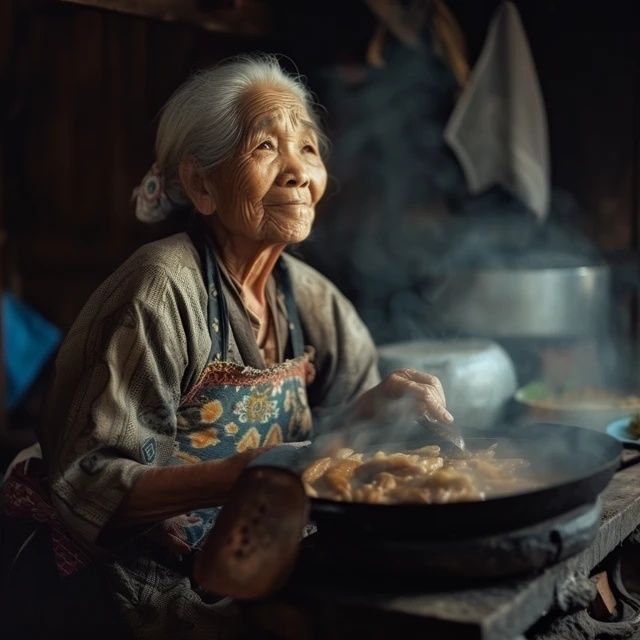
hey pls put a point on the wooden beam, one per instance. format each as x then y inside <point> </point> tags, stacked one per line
<point>246,18</point>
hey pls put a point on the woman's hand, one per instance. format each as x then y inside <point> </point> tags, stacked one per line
<point>423,391</point>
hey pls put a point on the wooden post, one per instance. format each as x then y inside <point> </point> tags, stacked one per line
<point>6,32</point>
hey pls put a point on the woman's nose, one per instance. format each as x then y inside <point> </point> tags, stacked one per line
<point>293,173</point>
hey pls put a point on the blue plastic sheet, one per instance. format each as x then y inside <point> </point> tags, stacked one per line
<point>29,342</point>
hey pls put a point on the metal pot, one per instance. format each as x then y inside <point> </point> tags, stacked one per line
<point>477,375</point>
<point>525,302</point>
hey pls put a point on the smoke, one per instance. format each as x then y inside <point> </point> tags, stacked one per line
<point>391,426</point>
<point>403,220</point>
<point>403,216</point>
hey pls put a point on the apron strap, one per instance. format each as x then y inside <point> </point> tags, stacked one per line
<point>283,279</point>
<point>217,312</point>
<point>217,308</point>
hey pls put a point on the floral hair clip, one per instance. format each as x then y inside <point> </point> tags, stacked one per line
<point>152,202</point>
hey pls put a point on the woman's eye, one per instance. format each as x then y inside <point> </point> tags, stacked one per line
<point>309,148</point>
<point>267,144</point>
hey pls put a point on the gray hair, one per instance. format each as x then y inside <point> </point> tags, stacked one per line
<point>202,120</point>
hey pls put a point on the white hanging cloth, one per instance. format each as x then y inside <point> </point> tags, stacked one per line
<point>498,128</point>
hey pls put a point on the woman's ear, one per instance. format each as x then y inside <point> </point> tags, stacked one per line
<point>197,187</point>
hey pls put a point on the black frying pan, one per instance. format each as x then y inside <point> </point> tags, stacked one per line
<point>578,462</point>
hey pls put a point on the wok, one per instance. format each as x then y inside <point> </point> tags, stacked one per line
<point>578,463</point>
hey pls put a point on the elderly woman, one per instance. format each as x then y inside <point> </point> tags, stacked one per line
<point>204,348</point>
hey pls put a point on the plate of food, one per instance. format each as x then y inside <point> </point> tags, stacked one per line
<point>627,430</point>
<point>590,407</point>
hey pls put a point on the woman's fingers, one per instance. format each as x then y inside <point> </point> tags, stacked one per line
<point>425,378</point>
<point>430,403</point>
<point>424,388</point>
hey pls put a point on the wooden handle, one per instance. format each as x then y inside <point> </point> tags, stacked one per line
<point>254,543</point>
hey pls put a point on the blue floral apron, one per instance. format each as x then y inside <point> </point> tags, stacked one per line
<point>233,407</point>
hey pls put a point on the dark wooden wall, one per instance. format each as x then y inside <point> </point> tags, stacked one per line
<point>85,87</point>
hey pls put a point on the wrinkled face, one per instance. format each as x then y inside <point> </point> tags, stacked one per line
<point>268,189</point>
